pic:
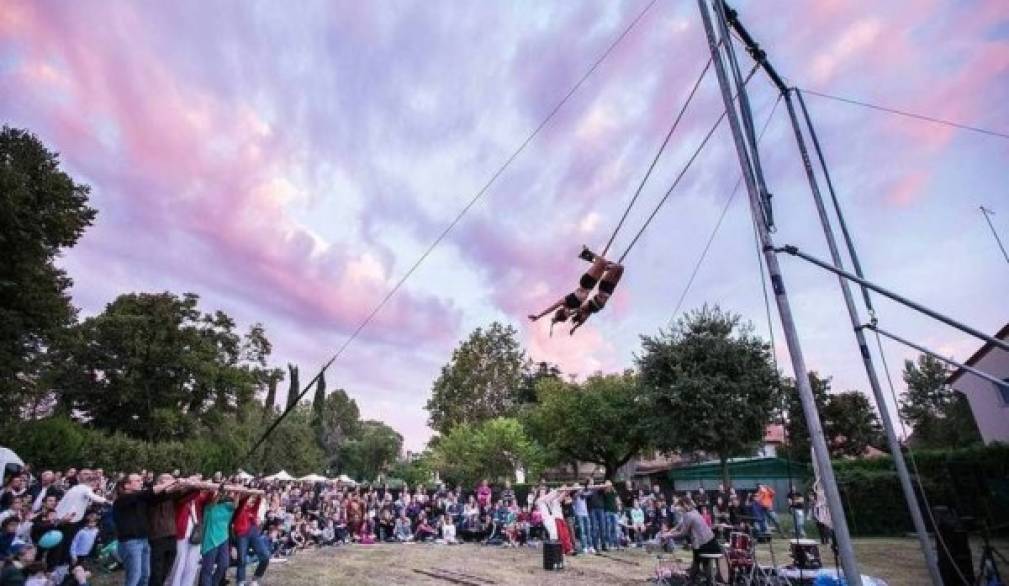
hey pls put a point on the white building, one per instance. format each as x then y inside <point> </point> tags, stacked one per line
<point>988,401</point>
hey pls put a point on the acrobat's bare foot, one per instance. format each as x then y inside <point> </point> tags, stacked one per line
<point>586,254</point>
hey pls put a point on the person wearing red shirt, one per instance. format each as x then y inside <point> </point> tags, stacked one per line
<point>245,525</point>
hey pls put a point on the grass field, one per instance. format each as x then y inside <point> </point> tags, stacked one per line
<point>896,560</point>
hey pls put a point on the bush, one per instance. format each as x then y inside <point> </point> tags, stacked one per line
<point>968,480</point>
<point>59,443</point>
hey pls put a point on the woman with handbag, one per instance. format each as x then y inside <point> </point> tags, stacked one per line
<point>188,534</point>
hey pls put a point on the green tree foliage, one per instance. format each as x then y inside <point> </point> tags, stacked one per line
<point>493,449</point>
<point>318,402</point>
<point>852,425</point>
<point>533,375</point>
<point>340,421</point>
<point>849,421</point>
<point>940,416</point>
<point>601,420</point>
<point>371,453</point>
<point>292,447</point>
<point>481,381</point>
<point>153,365</point>
<point>797,444</point>
<point>42,211</point>
<point>413,471</point>
<point>271,378</point>
<point>710,385</point>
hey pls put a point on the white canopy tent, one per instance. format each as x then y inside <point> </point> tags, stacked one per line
<point>282,476</point>
<point>313,478</point>
<point>243,475</point>
<point>344,479</point>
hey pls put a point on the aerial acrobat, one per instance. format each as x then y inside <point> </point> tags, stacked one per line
<point>577,306</point>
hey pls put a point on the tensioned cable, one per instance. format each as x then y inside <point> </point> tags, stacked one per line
<point>662,148</point>
<point>718,224</point>
<point>914,463</point>
<point>680,175</point>
<point>923,117</point>
<point>479,194</point>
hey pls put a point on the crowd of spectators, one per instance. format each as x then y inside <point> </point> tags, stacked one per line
<point>60,527</point>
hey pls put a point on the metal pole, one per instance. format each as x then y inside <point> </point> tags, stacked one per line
<point>987,216</point>
<point>870,369</point>
<point>820,452</point>
<point>979,373</point>
<point>792,250</point>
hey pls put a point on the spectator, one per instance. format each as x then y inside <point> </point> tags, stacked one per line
<point>131,512</point>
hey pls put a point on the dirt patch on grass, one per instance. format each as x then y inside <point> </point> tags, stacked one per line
<point>896,560</point>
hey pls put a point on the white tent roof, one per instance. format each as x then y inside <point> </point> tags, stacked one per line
<point>313,478</point>
<point>282,475</point>
<point>345,479</point>
<point>243,475</point>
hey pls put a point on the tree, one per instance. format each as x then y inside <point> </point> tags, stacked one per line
<point>319,401</point>
<point>797,443</point>
<point>340,421</point>
<point>531,377</point>
<point>851,425</point>
<point>294,389</point>
<point>271,378</point>
<point>153,366</point>
<point>415,470</point>
<point>374,449</point>
<point>600,421</point>
<point>939,415</point>
<point>42,211</point>
<point>292,446</point>
<point>710,386</point>
<point>493,449</point>
<point>481,381</point>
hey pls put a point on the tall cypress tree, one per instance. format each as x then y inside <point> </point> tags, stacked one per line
<point>319,401</point>
<point>294,388</point>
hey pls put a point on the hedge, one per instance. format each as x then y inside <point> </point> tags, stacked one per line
<point>59,443</point>
<point>972,481</point>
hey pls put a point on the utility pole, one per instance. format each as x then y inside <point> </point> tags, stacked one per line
<point>856,323</point>
<point>759,208</point>
<point>987,216</point>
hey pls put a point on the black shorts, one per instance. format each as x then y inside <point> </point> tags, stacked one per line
<point>587,282</point>
<point>572,302</point>
<point>607,287</point>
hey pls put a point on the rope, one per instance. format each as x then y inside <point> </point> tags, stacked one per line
<point>718,224</point>
<point>662,148</point>
<point>679,176</point>
<point>923,117</point>
<point>479,194</point>
<point>914,463</point>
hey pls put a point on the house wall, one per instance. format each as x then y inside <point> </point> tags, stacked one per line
<point>990,407</point>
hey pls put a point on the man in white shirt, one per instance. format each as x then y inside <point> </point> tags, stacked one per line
<point>76,501</point>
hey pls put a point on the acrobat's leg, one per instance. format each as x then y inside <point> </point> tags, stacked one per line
<point>608,285</point>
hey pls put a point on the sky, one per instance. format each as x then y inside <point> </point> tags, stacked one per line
<point>290,162</point>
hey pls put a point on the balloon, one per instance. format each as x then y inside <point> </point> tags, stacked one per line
<point>50,539</point>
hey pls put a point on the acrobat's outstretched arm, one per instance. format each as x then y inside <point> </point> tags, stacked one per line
<point>551,309</point>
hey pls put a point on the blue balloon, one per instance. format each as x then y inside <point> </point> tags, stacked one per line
<point>50,539</point>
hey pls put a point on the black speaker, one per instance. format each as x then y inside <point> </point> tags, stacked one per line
<point>553,555</point>
<point>956,555</point>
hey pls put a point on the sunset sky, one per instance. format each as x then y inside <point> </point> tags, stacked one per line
<point>290,161</point>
